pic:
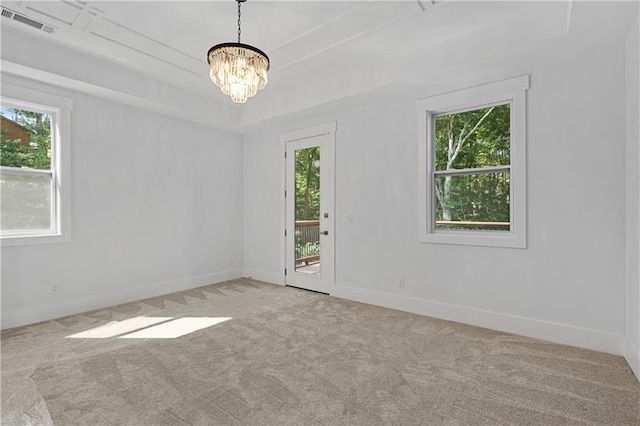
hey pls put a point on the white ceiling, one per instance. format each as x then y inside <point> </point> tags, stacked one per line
<point>314,46</point>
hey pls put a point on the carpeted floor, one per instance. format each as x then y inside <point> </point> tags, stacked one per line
<point>291,357</point>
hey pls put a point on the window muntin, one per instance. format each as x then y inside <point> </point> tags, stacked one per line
<point>495,214</point>
<point>471,179</point>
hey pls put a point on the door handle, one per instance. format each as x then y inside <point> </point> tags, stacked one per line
<point>324,232</point>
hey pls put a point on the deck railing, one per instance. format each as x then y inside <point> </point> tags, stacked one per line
<point>307,235</point>
<point>499,226</point>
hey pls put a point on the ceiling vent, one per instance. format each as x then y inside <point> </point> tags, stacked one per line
<point>10,14</point>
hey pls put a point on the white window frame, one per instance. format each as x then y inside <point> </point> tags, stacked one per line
<point>512,91</point>
<point>59,108</point>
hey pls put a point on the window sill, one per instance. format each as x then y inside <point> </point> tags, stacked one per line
<point>506,239</point>
<point>26,240</point>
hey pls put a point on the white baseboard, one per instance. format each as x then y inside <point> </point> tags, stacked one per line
<point>34,314</point>
<point>543,330</point>
<point>632,355</point>
<point>266,276</point>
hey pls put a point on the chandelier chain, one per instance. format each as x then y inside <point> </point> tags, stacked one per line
<point>239,30</point>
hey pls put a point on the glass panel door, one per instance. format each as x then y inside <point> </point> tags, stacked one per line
<point>309,214</point>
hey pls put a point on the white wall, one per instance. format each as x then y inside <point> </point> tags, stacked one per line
<point>632,78</point>
<point>135,232</point>
<point>567,286</point>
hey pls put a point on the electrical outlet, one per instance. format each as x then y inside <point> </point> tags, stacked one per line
<point>55,289</point>
<point>401,282</point>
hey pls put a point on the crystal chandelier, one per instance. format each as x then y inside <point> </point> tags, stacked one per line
<point>239,70</point>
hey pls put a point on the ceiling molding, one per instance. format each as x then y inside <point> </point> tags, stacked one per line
<point>355,23</point>
<point>427,63</point>
<point>153,40</point>
<point>207,116</point>
<point>87,18</point>
<point>316,28</point>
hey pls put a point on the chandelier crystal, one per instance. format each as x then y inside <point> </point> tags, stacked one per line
<point>238,69</point>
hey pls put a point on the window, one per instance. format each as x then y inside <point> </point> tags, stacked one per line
<point>34,164</point>
<point>473,165</point>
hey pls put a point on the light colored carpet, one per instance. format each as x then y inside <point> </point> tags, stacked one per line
<point>291,357</point>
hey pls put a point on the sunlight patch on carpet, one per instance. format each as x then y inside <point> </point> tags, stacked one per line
<point>115,328</point>
<point>149,328</point>
<point>175,328</point>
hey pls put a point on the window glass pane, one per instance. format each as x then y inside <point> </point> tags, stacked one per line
<point>26,202</point>
<point>25,138</point>
<point>307,232</point>
<point>472,139</point>
<point>473,202</point>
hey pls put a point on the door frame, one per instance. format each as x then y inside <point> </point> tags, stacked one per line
<point>305,133</point>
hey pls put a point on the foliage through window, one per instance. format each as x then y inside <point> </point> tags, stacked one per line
<point>308,183</point>
<point>27,178</point>
<point>472,162</point>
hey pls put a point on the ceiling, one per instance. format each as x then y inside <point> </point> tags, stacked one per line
<point>320,51</point>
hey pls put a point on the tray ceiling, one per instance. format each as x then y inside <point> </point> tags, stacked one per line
<point>309,42</point>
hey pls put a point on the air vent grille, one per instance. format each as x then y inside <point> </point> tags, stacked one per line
<point>10,14</point>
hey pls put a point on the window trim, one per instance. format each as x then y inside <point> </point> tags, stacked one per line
<point>60,109</point>
<point>511,91</point>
